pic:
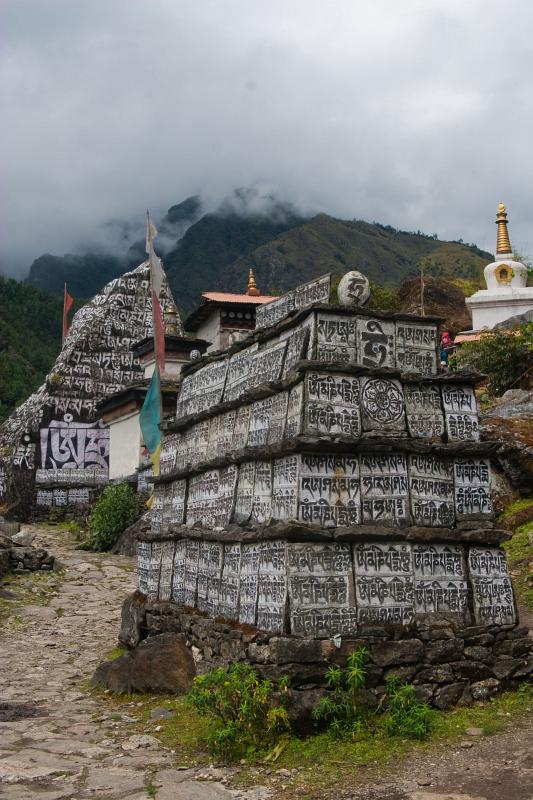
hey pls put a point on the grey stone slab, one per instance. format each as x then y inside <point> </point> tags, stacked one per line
<point>432,491</point>
<point>262,497</point>
<point>375,342</point>
<point>329,491</point>
<point>285,474</point>
<point>384,488</point>
<point>332,404</point>
<point>178,578</point>
<point>472,488</point>
<point>384,583</point>
<point>245,491</point>
<point>335,338</point>
<point>425,418</point>
<point>295,409</point>
<point>382,405</point>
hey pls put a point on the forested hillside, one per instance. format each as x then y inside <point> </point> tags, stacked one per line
<point>30,339</point>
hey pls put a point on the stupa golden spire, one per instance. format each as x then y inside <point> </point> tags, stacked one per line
<point>252,288</point>
<point>503,245</point>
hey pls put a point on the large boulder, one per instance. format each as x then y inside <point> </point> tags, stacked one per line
<point>160,664</point>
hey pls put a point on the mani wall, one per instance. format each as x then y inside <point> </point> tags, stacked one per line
<point>54,452</point>
<point>323,476</point>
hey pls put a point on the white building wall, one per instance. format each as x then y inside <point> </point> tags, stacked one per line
<point>124,446</point>
<point>210,331</point>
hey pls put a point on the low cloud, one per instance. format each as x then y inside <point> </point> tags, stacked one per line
<point>414,114</point>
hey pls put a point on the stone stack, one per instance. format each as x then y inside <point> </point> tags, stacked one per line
<point>322,485</point>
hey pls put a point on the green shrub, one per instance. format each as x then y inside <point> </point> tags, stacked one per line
<point>114,510</point>
<point>505,356</point>
<point>405,715</point>
<point>341,709</point>
<point>241,706</point>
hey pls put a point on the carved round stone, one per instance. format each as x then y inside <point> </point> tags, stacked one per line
<point>382,400</point>
<point>353,289</point>
<point>195,355</point>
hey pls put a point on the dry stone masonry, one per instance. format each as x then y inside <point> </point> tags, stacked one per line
<point>323,485</point>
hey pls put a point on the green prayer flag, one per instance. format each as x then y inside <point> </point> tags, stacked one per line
<point>150,420</point>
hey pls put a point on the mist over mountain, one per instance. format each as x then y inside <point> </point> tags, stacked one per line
<point>213,251</point>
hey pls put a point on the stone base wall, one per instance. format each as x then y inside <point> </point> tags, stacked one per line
<point>447,665</point>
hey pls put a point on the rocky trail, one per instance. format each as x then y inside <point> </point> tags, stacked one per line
<point>58,742</point>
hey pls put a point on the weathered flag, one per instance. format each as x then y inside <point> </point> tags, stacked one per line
<point>68,302</point>
<point>156,280</point>
<point>150,420</point>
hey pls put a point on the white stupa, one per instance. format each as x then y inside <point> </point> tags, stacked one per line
<point>506,294</point>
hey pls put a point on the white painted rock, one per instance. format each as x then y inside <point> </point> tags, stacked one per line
<point>353,289</point>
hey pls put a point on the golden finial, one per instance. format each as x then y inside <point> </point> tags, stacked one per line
<point>503,245</point>
<point>252,288</point>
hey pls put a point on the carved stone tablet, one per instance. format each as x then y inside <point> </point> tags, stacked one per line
<point>382,405</point>
<point>225,500</point>
<point>492,590</point>
<point>192,553</point>
<point>321,590</point>
<point>202,498</point>
<point>472,488</point>
<point>156,512</point>
<point>175,502</point>
<point>375,342</point>
<point>278,416</point>
<point>272,586</point>
<point>249,581</point>
<point>154,569</point>
<point>274,311</point>
<point>332,404</point>
<point>245,491</point>
<point>285,487</point>
<point>335,338</point>
<point>384,585</point>
<point>316,291</point>
<point>259,422</point>
<point>460,408</point>
<point>440,579</point>
<point>425,419</point>
<point>432,492</point>
<point>353,289</point>
<point>262,498</point>
<point>169,451</point>
<point>241,428</point>
<point>384,489</point>
<point>228,599</point>
<point>178,579</point>
<point>144,555</point>
<point>209,573</point>
<point>267,364</point>
<point>329,490</point>
<point>167,569</point>
<point>238,377</point>
<point>203,389</point>
<point>298,341</point>
<point>416,347</point>
<point>293,425</point>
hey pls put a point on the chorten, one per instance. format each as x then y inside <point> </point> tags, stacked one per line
<point>507,294</point>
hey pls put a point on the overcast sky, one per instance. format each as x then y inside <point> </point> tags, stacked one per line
<point>414,113</point>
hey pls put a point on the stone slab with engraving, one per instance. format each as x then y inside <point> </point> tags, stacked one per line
<point>241,428</point>
<point>210,556</point>
<point>382,405</point>
<point>285,473</point>
<point>267,364</point>
<point>375,342</point>
<point>329,493</point>
<point>353,289</point>
<point>174,508</point>
<point>384,584</point>
<point>274,311</point>
<point>203,389</point>
<point>238,376</point>
<point>460,409</point>
<point>425,419</point>
<point>492,589</point>
<point>432,491</point>
<point>384,488</point>
<point>416,347</point>
<point>278,417</point>
<point>262,495</point>
<point>249,583</point>
<point>244,496</point>
<point>441,585</point>
<point>335,338</point>
<point>272,586</point>
<point>154,569</point>
<point>295,409</point>
<point>192,553</point>
<point>472,489</point>
<point>332,404</point>
<point>321,590</point>
<point>167,570</point>
<point>169,452</point>
<point>144,555</point>
<point>178,579</point>
<point>259,422</point>
<point>228,596</point>
<point>299,339</point>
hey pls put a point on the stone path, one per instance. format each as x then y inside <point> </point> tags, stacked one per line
<point>73,746</point>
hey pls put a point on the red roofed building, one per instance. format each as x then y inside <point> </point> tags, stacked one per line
<point>223,318</point>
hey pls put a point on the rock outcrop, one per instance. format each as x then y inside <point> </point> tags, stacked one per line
<point>510,422</point>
